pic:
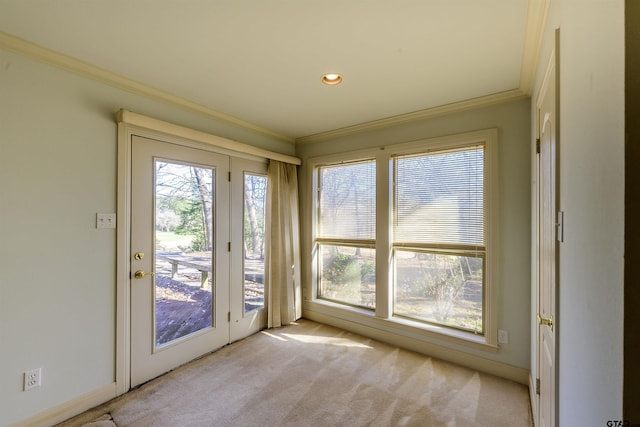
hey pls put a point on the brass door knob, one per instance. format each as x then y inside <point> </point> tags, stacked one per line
<point>543,321</point>
<point>140,274</point>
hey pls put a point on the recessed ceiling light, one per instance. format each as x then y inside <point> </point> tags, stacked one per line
<point>332,79</point>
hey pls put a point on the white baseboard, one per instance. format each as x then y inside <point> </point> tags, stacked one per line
<point>70,409</point>
<point>481,364</point>
<point>533,396</point>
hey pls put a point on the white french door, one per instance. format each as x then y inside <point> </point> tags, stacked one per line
<point>197,269</point>
<point>248,228</point>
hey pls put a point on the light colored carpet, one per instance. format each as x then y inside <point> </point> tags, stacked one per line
<point>310,374</point>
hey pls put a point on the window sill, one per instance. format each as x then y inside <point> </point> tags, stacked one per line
<point>426,333</point>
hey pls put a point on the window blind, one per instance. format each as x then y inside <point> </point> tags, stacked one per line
<point>439,198</point>
<point>347,201</point>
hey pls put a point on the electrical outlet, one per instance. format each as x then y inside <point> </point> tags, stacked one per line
<point>503,336</point>
<point>32,379</point>
<point>106,220</point>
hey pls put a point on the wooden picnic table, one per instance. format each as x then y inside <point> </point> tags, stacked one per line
<point>202,264</point>
<point>253,273</point>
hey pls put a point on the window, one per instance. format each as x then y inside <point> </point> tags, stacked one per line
<point>346,232</point>
<point>406,232</point>
<point>438,237</point>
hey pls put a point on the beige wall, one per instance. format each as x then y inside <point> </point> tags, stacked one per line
<point>591,174</point>
<point>57,283</point>
<point>513,123</point>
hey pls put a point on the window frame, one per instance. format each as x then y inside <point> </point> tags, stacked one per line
<point>382,317</point>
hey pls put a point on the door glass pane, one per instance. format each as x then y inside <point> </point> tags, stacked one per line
<point>184,218</point>
<point>255,193</point>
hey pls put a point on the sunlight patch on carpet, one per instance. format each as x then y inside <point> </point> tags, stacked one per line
<point>314,339</point>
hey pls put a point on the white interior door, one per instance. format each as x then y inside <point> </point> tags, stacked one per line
<point>548,236</point>
<point>180,259</point>
<point>248,228</point>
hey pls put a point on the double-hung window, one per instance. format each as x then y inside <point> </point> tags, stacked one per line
<point>346,232</point>
<point>438,237</point>
<point>407,234</point>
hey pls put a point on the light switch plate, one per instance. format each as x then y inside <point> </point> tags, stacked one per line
<point>106,220</point>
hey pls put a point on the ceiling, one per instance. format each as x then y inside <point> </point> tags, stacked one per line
<point>258,63</point>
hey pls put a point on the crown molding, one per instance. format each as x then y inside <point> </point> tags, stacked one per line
<point>537,13</point>
<point>429,113</point>
<point>25,48</point>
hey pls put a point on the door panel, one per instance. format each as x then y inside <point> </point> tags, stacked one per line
<point>249,190</point>
<point>179,236</point>
<point>547,249</point>
<point>547,408</point>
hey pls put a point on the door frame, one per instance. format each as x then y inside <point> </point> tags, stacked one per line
<point>130,124</point>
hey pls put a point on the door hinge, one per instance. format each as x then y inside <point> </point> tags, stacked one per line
<point>537,145</point>
<point>560,225</point>
<point>229,176</point>
<point>537,385</point>
<point>228,246</point>
<point>228,316</point>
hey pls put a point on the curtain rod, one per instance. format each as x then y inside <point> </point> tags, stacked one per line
<point>135,119</point>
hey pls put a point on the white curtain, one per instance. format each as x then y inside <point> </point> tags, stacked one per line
<point>283,290</point>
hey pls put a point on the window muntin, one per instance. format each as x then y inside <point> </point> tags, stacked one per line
<point>345,233</point>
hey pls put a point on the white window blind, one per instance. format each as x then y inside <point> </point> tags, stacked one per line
<point>439,198</point>
<point>347,201</point>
